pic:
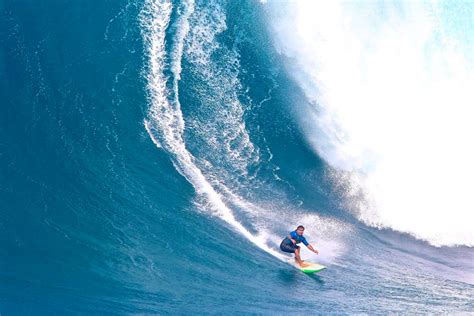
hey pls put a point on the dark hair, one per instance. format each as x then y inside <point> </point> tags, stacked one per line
<point>300,227</point>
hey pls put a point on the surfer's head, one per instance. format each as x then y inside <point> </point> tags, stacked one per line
<point>300,230</point>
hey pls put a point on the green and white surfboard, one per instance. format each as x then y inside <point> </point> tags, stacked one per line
<point>310,267</point>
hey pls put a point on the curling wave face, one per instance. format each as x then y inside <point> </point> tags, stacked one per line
<point>389,101</point>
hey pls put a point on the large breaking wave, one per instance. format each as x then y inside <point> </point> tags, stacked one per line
<point>389,88</point>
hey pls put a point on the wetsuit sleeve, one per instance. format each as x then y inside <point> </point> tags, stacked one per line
<point>304,241</point>
<point>294,235</point>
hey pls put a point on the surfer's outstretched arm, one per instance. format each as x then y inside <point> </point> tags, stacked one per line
<point>312,249</point>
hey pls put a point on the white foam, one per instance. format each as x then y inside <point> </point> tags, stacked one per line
<point>391,86</point>
<point>219,122</point>
<point>165,119</point>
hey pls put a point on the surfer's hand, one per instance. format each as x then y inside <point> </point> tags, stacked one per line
<point>316,252</point>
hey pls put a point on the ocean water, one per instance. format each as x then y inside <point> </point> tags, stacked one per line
<point>154,153</point>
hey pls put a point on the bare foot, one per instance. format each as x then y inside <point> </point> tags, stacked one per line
<point>304,265</point>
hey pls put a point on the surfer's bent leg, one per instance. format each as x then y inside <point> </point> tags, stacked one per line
<point>297,256</point>
<point>290,248</point>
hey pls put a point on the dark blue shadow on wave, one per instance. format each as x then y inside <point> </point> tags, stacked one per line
<point>293,277</point>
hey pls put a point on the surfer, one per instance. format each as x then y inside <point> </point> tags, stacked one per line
<point>289,244</point>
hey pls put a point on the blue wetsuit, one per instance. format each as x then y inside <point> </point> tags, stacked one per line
<point>288,246</point>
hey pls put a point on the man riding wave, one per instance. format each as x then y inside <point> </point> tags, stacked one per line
<point>289,244</point>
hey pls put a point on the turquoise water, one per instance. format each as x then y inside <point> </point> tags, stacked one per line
<point>151,160</point>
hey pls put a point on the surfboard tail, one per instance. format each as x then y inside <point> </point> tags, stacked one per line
<point>313,268</point>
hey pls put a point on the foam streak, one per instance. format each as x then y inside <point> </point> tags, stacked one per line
<point>165,123</point>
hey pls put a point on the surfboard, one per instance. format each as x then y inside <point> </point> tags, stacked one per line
<point>311,268</point>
